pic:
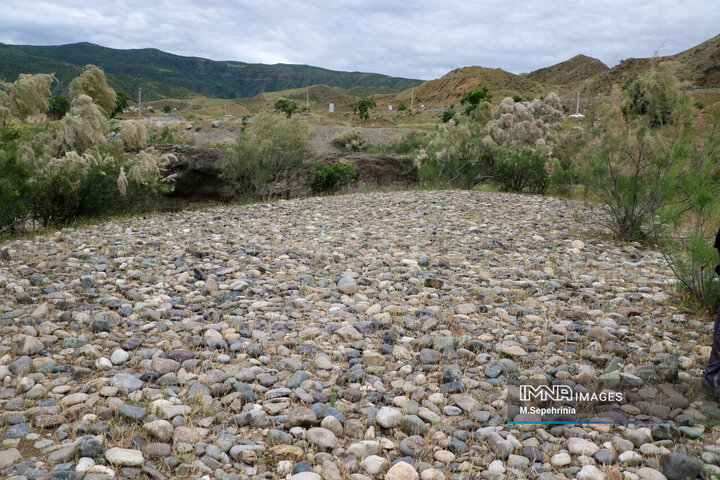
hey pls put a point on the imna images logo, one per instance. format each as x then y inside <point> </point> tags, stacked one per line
<point>565,393</point>
<point>546,393</point>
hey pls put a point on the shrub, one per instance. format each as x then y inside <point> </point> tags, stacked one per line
<point>695,216</point>
<point>637,164</point>
<point>518,144</point>
<point>452,158</point>
<point>693,261</point>
<point>653,96</point>
<point>350,141</point>
<point>40,187</point>
<point>268,153</point>
<point>26,96</point>
<point>92,82</point>
<point>567,150</point>
<point>513,150</point>
<point>165,135</point>
<point>410,143</point>
<point>83,127</point>
<point>524,170</point>
<point>167,108</point>
<point>332,177</point>
<point>448,115</point>
<point>93,183</point>
<point>133,134</point>
<point>402,107</point>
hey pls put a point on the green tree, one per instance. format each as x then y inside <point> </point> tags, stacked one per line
<point>92,82</point>
<point>362,107</point>
<point>286,106</point>
<point>121,103</point>
<point>473,99</point>
<point>59,105</point>
<point>167,108</point>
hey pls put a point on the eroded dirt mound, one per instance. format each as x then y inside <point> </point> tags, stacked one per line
<point>376,169</point>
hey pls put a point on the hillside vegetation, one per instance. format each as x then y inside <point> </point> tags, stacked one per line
<point>224,79</point>
<point>13,62</point>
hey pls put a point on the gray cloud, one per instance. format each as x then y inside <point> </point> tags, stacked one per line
<point>424,39</point>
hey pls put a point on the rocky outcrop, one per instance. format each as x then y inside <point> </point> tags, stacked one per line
<point>196,173</point>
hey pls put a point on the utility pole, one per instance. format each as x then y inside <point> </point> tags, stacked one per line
<point>577,107</point>
<point>412,99</point>
<point>140,102</point>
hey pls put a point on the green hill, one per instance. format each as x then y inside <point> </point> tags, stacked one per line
<point>223,79</point>
<point>14,61</point>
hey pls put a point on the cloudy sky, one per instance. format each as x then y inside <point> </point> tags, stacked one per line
<point>421,39</point>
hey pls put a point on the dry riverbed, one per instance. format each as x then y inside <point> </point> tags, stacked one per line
<point>352,337</point>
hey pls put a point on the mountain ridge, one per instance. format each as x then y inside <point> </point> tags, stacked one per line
<point>221,79</point>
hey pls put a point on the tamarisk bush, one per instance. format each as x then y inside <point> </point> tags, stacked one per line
<point>28,95</point>
<point>513,150</point>
<point>267,156</point>
<point>133,134</point>
<point>54,172</point>
<point>84,126</point>
<point>638,164</point>
<point>92,83</point>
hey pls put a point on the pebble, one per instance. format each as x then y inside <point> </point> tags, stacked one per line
<point>125,457</point>
<point>9,457</point>
<point>676,466</point>
<point>402,471</point>
<point>580,446</point>
<point>359,336</point>
<point>387,417</point>
<point>590,472</point>
<point>322,438</point>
